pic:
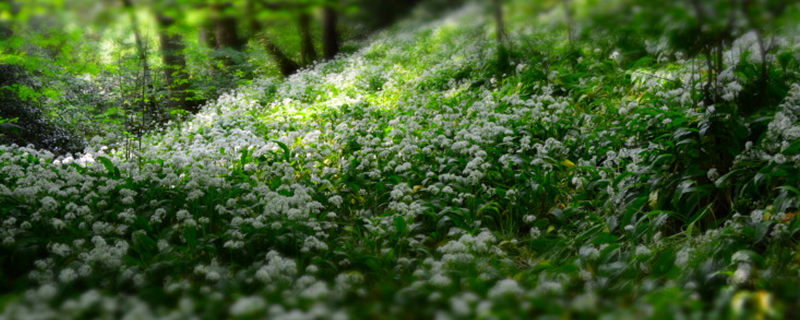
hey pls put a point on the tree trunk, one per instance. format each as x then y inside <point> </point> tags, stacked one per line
<point>500,28</point>
<point>306,44</point>
<point>225,28</point>
<point>708,86</point>
<point>172,54</point>
<point>570,22</point>
<point>285,64</point>
<point>140,46</point>
<point>503,55</point>
<point>330,36</point>
<point>762,50</point>
<point>225,32</point>
<point>5,29</point>
<point>207,35</point>
<point>253,24</point>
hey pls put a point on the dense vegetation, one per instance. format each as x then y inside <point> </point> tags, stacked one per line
<point>617,159</point>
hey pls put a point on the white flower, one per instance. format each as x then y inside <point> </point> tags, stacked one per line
<point>682,258</point>
<point>448,190</point>
<point>315,291</point>
<point>336,200</point>
<point>742,274</point>
<point>589,253</point>
<point>127,193</point>
<point>47,291</point>
<point>58,224</point>
<point>551,287</point>
<point>505,287</point>
<point>312,243</point>
<point>163,245</point>
<point>212,276</point>
<point>403,167</point>
<point>278,268</point>
<point>49,204</point>
<point>194,195</point>
<point>712,174</point>
<point>740,257</point>
<point>247,306</point>
<point>757,216</point>
<point>528,219</point>
<point>233,244</point>
<point>60,249</point>
<point>642,250</point>
<point>399,191</point>
<point>460,306</point>
<point>67,275</point>
<point>182,214</point>
<point>779,158</point>
<point>440,280</point>
<point>236,221</point>
<point>780,231</point>
<point>10,222</point>
<point>231,203</point>
<point>85,270</point>
<point>127,200</point>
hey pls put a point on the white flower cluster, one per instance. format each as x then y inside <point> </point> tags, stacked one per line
<point>249,178</point>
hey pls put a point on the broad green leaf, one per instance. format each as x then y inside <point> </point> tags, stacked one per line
<point>722,181</point>
<point>400,224</point>
<point>190,233</point>
<point>287,153</point>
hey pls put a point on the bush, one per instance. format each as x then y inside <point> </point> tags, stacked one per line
<point>17,101</point>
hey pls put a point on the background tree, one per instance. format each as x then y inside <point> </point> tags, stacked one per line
<point>128,7</point>
<point>95,63</point>
<point>330,34</point>
<point>174,60</point>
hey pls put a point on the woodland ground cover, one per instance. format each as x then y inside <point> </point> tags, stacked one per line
<point>418,178</point>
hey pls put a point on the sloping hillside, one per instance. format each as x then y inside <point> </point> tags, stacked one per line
<point>420,178</point>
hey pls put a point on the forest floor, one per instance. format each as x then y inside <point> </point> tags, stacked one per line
<point>419,178</point>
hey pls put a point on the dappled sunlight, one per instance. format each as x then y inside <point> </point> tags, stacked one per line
<point>431,171</point>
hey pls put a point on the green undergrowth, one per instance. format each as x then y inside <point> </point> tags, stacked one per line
<point>416,179</point>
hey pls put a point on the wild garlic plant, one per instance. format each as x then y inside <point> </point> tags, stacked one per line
<point>410,179</point>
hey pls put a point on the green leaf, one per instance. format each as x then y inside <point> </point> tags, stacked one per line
<point>755,257</point>
<point>287,153</point>
<point>793,148</point>
<point>632,208</point>
<point>245,157</point>
<point>190,233</point>
<point>689,230</point>
<point>400,224</point>
<point>664,263</point>
<point>790,188</point>
<point>143,224</point>
<point>10,127</point>
<point>491,206</point>
<point>604,238</point>
<point>145,243</point>
<point>112,170</point>
<point>722,181</point>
